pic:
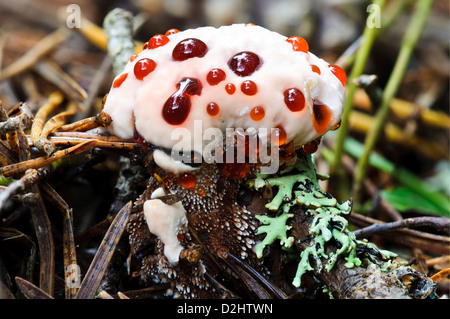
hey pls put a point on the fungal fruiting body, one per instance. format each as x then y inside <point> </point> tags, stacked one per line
<point>191,92</point>
<point>241,76</point>
<point>168,222</point>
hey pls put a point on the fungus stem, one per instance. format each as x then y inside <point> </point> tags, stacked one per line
<point>410,39</point>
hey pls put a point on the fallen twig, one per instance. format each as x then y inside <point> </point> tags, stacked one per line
<point>440,224</point>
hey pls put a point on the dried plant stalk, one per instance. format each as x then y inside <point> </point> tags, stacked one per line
<point>104,253</point>
<point>19,168</point>
<point>31,291</point>
<point>41,49</point>
<point>54,100</point>
<point>58,120</point>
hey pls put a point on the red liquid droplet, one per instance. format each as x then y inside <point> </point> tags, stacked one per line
<point>189,48</point>
<point>294,99</point>
<point>133,57</point>
<point>141,141</point>
<point>145,46</point>
<point>187,180</point>
<point>311,147</point>
<point>230,88</point>
<point>213,109</point>
<point>244,63</point>
<point>215,76</point>
<point>157,41</point>
<point>172,31</point>
<point>257,113</point>
<point>118,82</point>
<point>298,44</point>
<point>337,126</point>
<point>315,68</point>
<point>249,87</point>
<point>278,136</point>
<point>235,170</point>
<point>180,236</point>
<point>191,86</point>
<point>288,150</point>
<point>339,73</point>
<point>177,107</point>
<point>322,117</point>
<point>144,67</point>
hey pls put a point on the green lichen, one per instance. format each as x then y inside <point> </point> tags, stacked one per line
<point>300,187</point>
<point>275,228</point>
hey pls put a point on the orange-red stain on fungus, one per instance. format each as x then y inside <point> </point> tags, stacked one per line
<point>322,117</point>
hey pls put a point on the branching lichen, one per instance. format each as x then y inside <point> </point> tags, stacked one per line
<point>300,187</point>
<point>276,229</point>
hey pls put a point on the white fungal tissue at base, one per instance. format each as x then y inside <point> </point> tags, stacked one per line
<point>166,222</point>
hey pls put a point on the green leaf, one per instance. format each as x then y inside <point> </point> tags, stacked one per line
<point>404,199</point>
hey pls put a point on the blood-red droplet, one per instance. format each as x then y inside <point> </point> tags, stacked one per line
<point>191,86</point>
<point>249,87</point>
<point>315,68</point>
<point>298,44</point>
<point>187,180</point>
<point>294,99</point>
<point>180,236</point>
<point>310,147</point>
<point>177,108</point>
<point>215,76</point>
<point>144,67</point>
<point>171,31</point>
<point>133,57</point>
<point>157,41</point>
<point>230,88</point>
<point>278,136</point>
<point>145,146</point>
<point>244,63</point>
<point>288,150</point>
<point>322,117</point>
<point>235,170</point>
<point>339,73</point>
<point>257,113</point>
<point>118,82</point>
<point>212,109</point>
<point>189,48</point>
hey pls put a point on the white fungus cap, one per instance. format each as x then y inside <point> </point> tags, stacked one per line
<point>145,105</point>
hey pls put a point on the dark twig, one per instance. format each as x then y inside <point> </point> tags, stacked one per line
<point>440,224</point>
<point>270,287</point>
